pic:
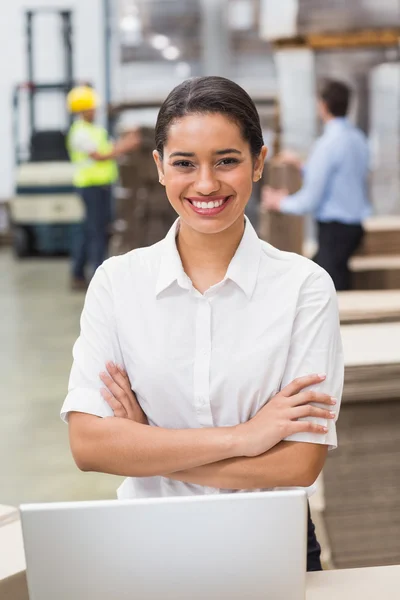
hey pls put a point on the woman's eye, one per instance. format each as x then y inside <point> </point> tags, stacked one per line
<point>229,161</point>
<point>183,163</point>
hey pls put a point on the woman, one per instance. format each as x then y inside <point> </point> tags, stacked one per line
<point>217,332</point>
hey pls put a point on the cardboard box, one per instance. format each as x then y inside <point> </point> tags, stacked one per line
<point>382,236</point>
<point>285,232</point>
<point>375,272</point>
<point>369,306</point>
<point>361,477</point>
<point>13,585</point>
<point>137,168</point>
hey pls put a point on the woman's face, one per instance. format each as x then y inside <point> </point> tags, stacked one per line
<point>208,171</point>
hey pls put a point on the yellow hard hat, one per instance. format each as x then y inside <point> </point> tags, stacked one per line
<point>82,98</point>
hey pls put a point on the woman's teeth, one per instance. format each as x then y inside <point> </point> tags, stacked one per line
<point>216,204</point>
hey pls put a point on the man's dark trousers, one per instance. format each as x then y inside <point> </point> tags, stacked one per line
<point>337,243</point>
<point>92,247</point>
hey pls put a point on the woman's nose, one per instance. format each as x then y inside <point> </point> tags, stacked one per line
<point>206,182</point>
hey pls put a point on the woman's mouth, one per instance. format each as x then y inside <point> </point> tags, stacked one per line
<point>209,206</point>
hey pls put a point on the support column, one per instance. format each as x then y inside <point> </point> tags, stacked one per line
<point>215,38</point>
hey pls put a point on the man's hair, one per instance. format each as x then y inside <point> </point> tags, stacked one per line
<point>336,96</point>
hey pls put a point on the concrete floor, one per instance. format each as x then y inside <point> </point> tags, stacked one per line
<point>39,323</point>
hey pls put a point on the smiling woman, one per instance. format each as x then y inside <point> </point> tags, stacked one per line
<point>204,177</point>
<point>212,339</point>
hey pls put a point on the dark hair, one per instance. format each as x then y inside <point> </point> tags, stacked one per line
<point>204,95</point>
<point>336,96</point>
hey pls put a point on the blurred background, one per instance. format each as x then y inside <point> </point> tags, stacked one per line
<point>133,52</point>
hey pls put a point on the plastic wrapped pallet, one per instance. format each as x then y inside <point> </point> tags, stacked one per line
<point>351,66</point>
<point>384,84</point>
<point>298,17</point>
<point>295,70</point>
<point>278,19</point>
<point>342,15</point>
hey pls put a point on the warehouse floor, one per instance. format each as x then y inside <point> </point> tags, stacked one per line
<point>38,326</point>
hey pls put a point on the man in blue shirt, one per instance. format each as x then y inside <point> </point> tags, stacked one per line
<point>335,188</point>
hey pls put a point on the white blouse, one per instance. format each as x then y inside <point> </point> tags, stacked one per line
<point>209,360</point>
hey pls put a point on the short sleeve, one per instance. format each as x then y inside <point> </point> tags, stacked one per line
<point>97,344</point>
<point>82,142</point>
<point>316,347</point>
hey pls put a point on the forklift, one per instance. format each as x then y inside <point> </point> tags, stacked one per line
<point>46,212</point>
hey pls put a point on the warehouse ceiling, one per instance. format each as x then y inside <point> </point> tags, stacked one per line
<point>150,28</point>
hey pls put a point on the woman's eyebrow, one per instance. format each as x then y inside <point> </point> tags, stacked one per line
<point>185,154</point>
<point>228,151</point>
<point>218,153</point>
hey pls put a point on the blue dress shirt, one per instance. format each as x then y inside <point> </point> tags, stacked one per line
<point>335,184</point>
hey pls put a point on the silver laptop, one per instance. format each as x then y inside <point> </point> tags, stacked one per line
<point>218,547</point>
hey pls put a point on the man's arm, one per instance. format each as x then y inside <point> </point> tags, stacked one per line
<point>289,464</point>
<point>128,143</point>
<point>316,178</point>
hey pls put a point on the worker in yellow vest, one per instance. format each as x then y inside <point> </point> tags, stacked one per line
<point>93,155</point>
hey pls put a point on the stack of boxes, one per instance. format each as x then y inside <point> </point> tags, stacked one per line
<point>301,17</point>
<point>361,478</point>
<point>143,214</point>
<point>285,232</point>
<point>341,15</point>
<point>372,306</point>
<point>377,263</point>
<point>13,584</point>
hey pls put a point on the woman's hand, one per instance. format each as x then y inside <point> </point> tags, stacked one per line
<point>119,395</point>
<point>278,418</point>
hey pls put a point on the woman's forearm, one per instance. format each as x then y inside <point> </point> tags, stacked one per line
<point>123,447</point>
<point>289,464</point>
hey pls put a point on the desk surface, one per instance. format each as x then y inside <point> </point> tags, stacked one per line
<point>379,583</point>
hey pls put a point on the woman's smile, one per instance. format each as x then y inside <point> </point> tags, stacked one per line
<point>208,206</point>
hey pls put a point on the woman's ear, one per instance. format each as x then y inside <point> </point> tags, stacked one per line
<point>159,164</point>
<point>259,164</point>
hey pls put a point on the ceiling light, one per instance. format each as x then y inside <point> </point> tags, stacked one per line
<point>130,23</point>
<point>241,15</point>
<point>159,42</point>
<point>171,53</point>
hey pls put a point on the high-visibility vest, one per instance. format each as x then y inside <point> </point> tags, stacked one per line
<point>89,172</point>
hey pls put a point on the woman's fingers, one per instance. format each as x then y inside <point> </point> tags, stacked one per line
<point>117,392</point>
<point>113,387</point>
<point>301,383</point>
<point>311,396</point>
<point>306,427</point>
<point>119,376</point>
<point>122,371</point>
<point>307,410</point>
<point>115,405</point>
